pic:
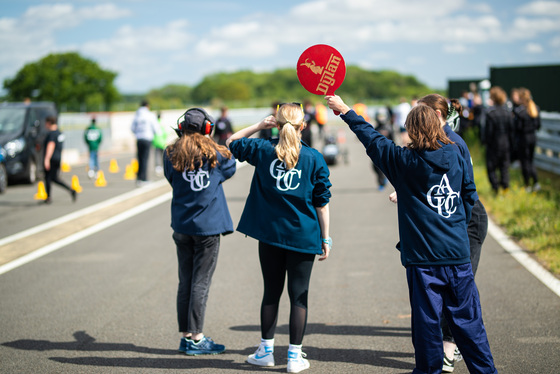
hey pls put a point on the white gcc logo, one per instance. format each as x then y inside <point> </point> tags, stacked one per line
<point>443,198</point>
<point>285,179</point>
<point>199,180</point>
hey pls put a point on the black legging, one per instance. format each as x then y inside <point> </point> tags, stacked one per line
<point>275,264</point>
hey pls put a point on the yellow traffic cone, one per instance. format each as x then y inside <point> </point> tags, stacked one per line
<point>65,167</point>
<point>100,181</point>
<point>129,174</point>
<point>113,166</point>
<point>134,163</point>
<point>76,184</point>
<point>41,192</point>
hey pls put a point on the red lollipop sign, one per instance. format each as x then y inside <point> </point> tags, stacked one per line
<point>321,70</point>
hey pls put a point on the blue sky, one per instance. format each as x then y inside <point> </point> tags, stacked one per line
<point>153,43</point>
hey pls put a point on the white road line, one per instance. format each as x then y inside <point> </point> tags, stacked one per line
<point>524,259</point>
<point>84,233</point>
<point>82,212</point>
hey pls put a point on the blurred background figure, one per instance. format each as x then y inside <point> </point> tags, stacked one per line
<point>399,117</point>
<point>309,118</point>
<point>93,138</point>
<point>384,126</point>
<point>54,142</point>
<point>499,136</point>
<point>223,128</point>
<point>144,126</point>
<point>527,123</point>
<point>159,143</point>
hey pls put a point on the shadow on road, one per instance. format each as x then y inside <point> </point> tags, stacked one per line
<point>85,343</point>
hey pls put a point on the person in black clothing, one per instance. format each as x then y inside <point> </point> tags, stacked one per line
<point>527,123</point>
<point>499,136</point>
<point>385,128</point>
<point>223,128</point>
<point>53,153</point>
<point>309,117</point>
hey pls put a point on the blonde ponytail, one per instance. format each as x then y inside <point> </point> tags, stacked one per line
<point>527,101</point>
<point>290,120</point>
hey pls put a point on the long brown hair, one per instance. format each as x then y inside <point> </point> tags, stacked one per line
<point>290,120</point>
<point>192,149</point>
<point>424,129</point>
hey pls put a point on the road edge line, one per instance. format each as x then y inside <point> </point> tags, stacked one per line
<point>524,259</point>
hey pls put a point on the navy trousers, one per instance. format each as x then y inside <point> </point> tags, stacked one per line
<point>447,290</point>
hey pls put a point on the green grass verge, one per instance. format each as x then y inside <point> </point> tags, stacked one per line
<point>532,219</point>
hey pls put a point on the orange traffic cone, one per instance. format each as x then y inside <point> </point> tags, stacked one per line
<point>76,184</point>
<point>113,166</point>
<point>129,174</point>
<point>41,192</point>
<point>100,181</point>
<point>65,167</point>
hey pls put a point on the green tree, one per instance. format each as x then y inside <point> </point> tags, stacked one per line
<point>71,81</point>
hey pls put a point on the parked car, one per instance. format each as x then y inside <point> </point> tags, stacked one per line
<point>22,134</point>
<point>3,172</point>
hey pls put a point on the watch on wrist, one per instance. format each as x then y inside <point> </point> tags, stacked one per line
<point>328,241</point>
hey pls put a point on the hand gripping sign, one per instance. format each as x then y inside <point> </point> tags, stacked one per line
<point>321,70</point>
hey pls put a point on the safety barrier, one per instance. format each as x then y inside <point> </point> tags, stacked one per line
<point>548,143</point>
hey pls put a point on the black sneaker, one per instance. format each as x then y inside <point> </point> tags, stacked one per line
<point>204,347</point>
<point>448,364</point>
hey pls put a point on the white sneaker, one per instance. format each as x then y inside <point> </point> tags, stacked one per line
<point>263,356</point>
<point>297,362</point>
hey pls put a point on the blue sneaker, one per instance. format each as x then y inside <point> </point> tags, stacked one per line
<point>183,345</point>
<point>204,347</point>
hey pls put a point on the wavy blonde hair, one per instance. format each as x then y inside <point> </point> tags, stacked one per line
<point>290,119</point>
<point>424,129</point>
<point>192,149</point>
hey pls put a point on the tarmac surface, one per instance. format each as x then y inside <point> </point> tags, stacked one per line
<point>103,301</point>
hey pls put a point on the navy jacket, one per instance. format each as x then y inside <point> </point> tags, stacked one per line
<point>435,193</point>
<point>199,205</point>
<point>280,209</point>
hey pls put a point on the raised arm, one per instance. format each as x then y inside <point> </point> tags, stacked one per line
<point>267,123</point>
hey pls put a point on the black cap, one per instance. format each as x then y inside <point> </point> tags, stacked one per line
<point>194,120</point>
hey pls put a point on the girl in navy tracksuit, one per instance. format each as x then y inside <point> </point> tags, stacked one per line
<point>287,212</point>
<point>196,167</point>
<point>436,195</point>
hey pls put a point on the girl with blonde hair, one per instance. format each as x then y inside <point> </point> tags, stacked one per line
<point>287,211</point>
<point>527,123</point>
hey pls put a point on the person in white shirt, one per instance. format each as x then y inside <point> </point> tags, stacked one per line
<point>144,126</point>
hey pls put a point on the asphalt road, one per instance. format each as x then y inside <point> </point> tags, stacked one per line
<point>106,303</point>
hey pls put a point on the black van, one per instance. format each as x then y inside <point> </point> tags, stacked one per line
<point>22,134</point>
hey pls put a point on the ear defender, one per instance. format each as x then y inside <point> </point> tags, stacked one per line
<point>196,120</point>
<point>207,128</point>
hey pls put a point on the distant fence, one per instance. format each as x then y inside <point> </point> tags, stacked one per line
<point>548,143</point>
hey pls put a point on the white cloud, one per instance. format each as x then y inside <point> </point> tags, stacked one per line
<point>555,42</point>
<point>455,49</point>
<point>540,8</point>
<point>533,48</point>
